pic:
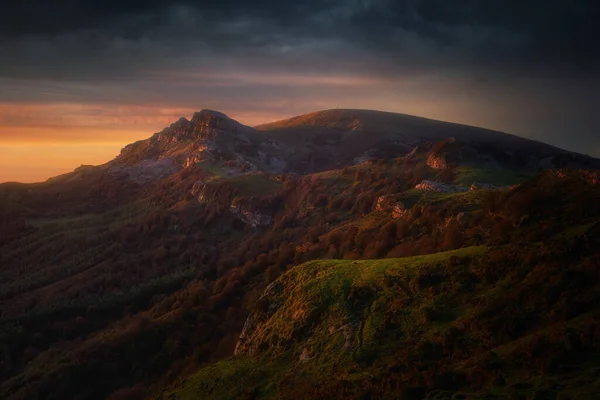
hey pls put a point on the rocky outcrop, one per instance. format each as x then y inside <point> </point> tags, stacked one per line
<point>400,212</point>
<point>272,292</point>
<point>199,154</point>
<point>249,327</point>
<point>387,204</point>
<point>205,125</point>
<point>437,161</point>
<point>250,214</point>
<point>459,219</point>
<point>176,132</point>
<point>438,187</point>
<point>210,136</point>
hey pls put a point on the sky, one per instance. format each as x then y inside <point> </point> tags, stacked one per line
<point>81,79</point>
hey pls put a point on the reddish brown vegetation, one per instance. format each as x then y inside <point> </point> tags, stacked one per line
<point>172,328</point>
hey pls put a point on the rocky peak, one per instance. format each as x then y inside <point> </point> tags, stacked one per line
<point>204,125</point>
<point>209,124</point>
<point>205,116</point>
<point>181,123</point>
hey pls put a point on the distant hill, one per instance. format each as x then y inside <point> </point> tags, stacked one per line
<point>347,136</point>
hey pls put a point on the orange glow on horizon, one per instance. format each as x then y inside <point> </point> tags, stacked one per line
<point>38,162</point>
<point>39,141</point>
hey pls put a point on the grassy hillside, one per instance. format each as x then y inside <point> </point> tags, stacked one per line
<point>466,176</point>
<point>439,326</point>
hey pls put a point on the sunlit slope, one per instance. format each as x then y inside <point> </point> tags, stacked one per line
<point>432,326</point>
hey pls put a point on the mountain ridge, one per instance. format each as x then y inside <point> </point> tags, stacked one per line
<point>328,139</point>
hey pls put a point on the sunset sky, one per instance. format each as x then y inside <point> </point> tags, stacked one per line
<point>79,80</point>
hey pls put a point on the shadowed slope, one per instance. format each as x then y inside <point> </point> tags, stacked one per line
<point>347,135</point>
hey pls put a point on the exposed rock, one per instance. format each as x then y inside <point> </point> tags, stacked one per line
<point>381,204</point>
<point>439,187</point>
<point>272,291</point>
<point>199,155</point>
<point>173,134</point>
<point>437,161</point>
<point>249,327</point>
<point>386,204</point>
<point>399,211</point>
<point>249,214</point>
<point>197,188</point>
<point>334,138</point>
<point>212,137</point>
<point>206,125</point>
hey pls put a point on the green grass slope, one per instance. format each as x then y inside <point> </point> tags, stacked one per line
<point>478,322</point>
<point>326,317</point>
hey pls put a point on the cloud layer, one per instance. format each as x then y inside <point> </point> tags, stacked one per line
<point>82,38</point>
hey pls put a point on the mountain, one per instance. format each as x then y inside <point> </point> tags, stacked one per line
<point>338,254</point>
<point>345,137</point>
<point>326,140</point>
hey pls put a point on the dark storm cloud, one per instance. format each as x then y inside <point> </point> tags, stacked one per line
<point>38,36</point>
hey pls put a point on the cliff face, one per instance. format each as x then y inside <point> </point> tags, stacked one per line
<point>436,161</point>
<point>205,125</point>
<point>256,211</point>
